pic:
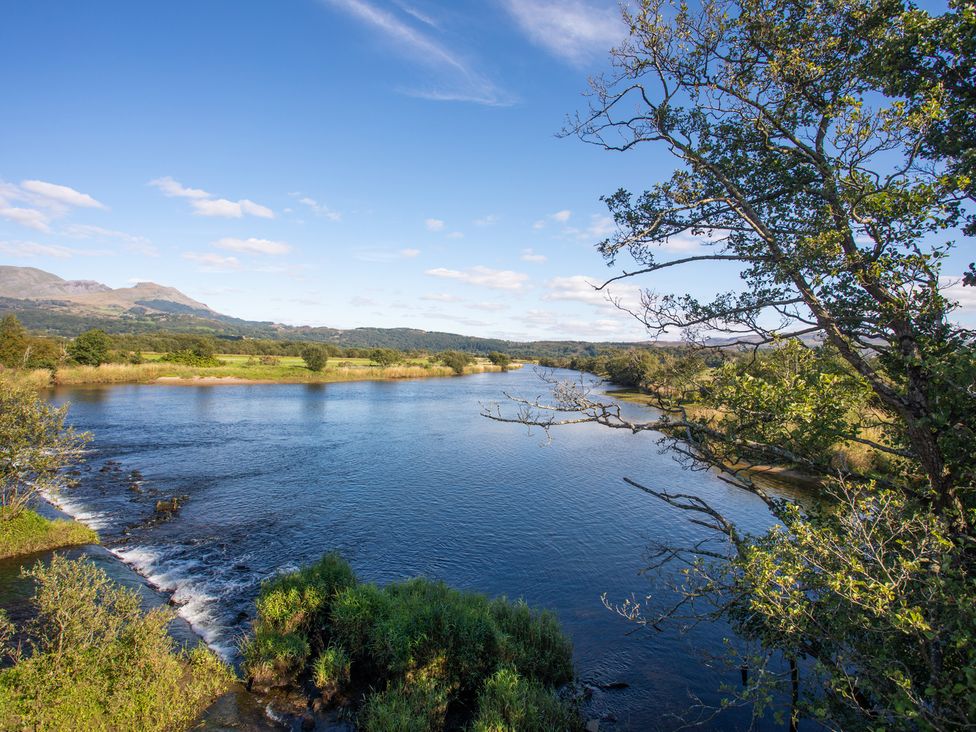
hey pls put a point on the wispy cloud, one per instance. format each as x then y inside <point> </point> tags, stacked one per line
<point>206,204</point>
<point>417,14</point>
<point>441,297</point>
<point>60,194</point>
<point>30,249</point>
<point>319,209</point>
<point>497,279</point>
<point>131,242</point>
<point>409,253</point>
<point>253,246</point>
<point>560,217</point>
<point>434,224</point>
<point>456,81</point>
<point>528,255</point>
<point>572,30</point>
<point>212,262</point>
<point>489,220</point>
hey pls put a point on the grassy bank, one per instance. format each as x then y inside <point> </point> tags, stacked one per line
<point>236,369</point>
<point>29,532</point>
<point>415,655</point>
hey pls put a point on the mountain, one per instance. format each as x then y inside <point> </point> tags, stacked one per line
<point>46,303</point>
<point>28,283</point>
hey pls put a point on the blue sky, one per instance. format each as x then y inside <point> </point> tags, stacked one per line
<point>327,162</point>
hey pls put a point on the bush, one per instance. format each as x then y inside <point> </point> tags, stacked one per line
<point>500,359</point>
<point>423,645</point>
<point>96,661</point>
<point>314,357</point>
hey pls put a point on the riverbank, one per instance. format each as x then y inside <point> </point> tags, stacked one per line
<point>236,372</point>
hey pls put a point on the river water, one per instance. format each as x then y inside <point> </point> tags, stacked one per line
<point>404,478</point>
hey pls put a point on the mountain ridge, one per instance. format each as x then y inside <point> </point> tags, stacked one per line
<point>47,303</point>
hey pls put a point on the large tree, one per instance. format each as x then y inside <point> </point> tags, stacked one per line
<point>799,163</point>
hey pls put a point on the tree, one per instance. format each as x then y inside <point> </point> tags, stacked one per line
<point>385,357</point>
<point>90,348</point>
<point>35,447</point>
<point>455,360</point>
<point>13,342</point>
<point>827,194</point>
<point>315,357</point>
<point>500,359</point>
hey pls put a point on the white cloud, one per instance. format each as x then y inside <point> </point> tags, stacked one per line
<point>175,189</point>
<point>205,204</point>
<point>253,246</point>
<point>529,255</point>
<point>953,289</point>
<point>409,253</point>
<point>455,235</point>
<point>29,217</point>
<point>44,202</point>
<point>484,277</point>
<point>580,288</point>
<point>58,194</point>
<point>34,249</point>
<point>540,224</point>
<point>434,224</point>
<point>489,220</point>
<point>457,82</point>
<point>223,208</point>
<point>561,216</point>
<point>573,30</point>
<point>213,262</point>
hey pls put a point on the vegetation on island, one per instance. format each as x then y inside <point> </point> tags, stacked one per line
<point>827,149</point>
<point>91,659</point>
<point>419,654</point>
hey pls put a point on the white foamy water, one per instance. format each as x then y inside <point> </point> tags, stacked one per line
<point>196,595</point>
<point>96,520</point>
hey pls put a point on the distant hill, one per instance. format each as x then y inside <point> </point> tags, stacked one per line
<point>47,303</point>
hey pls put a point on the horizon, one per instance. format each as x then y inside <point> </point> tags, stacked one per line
<point>333,163</point>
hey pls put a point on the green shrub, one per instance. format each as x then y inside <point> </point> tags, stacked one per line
<point>331,670</point>
<point>315,357</point>
<point>511,703</point>
<point>97,662</point>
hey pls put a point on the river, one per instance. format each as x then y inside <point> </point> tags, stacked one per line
<point>404,478</point>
